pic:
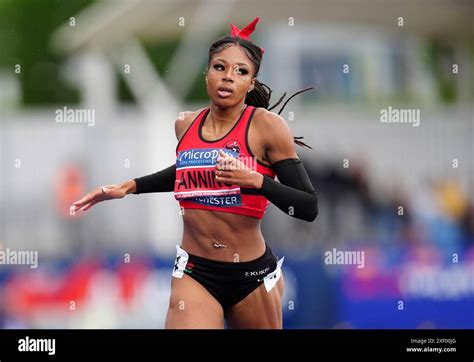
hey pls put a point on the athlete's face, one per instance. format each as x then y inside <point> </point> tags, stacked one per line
<point>230,77</point>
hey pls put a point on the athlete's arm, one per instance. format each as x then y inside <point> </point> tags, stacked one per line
<point>293,194</point>
<point>161,181</point>
<point>164,180</point>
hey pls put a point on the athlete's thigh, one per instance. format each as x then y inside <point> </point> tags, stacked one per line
<point>260,309</point>
<point>191,306</point>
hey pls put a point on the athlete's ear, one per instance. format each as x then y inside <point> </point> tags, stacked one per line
<point>253,84</point>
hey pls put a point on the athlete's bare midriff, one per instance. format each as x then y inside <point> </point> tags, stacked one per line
<point>220,235</point>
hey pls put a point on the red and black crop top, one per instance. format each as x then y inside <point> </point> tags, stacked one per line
<point>196,186</point>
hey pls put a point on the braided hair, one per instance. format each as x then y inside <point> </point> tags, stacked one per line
<point>260,95</point>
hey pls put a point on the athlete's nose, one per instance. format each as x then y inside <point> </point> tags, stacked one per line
<point>229,75</point>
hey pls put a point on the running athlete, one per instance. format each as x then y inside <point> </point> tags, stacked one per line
<point>227,158</point>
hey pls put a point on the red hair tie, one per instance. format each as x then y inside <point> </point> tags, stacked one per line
<point>245,32</point>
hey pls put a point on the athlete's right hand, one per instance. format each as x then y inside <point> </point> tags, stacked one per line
<point>102,193</point>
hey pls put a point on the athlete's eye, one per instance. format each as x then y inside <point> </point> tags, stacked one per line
<point>218,67</point>
<point>242,71</point>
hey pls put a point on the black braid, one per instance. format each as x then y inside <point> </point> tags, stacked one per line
<point>261,93</point>
<point>259,96</point>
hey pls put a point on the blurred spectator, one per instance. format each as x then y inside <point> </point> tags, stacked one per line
<point>69,187</point>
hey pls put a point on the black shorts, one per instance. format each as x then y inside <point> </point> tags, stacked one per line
<point>229,282</point>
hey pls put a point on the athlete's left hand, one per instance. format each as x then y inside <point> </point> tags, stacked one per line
<point>231,170</point>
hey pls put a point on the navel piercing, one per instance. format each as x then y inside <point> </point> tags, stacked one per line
<point>218,245</point>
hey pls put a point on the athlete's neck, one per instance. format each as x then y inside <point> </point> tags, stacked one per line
<point>221,117</point>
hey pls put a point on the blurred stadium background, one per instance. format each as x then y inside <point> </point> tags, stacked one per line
<point>400,193</point>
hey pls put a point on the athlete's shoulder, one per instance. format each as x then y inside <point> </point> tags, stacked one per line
<point>268,121</point>
<point>276,134</point>
<point>184,120</point>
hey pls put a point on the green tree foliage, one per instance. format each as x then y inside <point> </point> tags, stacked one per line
<point>26,27</point>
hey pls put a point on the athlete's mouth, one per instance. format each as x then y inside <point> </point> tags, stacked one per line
<point>224,92</point>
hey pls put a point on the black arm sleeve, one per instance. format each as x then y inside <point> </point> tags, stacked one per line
<point>161,181</point>
<point>294,194</point>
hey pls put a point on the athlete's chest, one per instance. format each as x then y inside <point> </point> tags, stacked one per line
<point>243,137</point>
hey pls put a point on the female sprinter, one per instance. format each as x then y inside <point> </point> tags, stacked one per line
<point>227,159</point>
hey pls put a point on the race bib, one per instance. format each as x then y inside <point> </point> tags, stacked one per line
<point>196,178</point>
